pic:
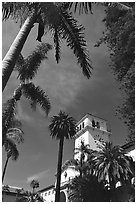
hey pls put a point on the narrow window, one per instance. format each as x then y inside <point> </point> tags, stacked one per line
<point>98,125</point>
<point>83,124</point>
<point>49,193</point>
<point>80,127</point>
<point>93,123</point>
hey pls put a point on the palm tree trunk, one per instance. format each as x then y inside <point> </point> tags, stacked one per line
<point>9,60</point>
<point>4,170</point>
<point>57,195</point>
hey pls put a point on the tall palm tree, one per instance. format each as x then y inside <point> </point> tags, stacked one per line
<point>112,165</point>
<point>61,126</point>
<point>84,152</point>
<point>10,137</point>
<point>52,17</point>
<point>13,137</point>
<point>83,165</point>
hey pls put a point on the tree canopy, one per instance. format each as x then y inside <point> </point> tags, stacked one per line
<point>120,38</point>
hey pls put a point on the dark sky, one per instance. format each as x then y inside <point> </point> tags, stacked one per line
<point>68,90</point>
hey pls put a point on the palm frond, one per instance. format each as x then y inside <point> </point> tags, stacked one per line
<point>17,11</point>
<point>36,96</point>
<point>19,63</point>
<point>11,149</point>
<point>62,125</point>
<point>80,7</point>
<point>15,134</point>
<point>8,113</point>
<point>30,65</point>
<point>68,29</point>
<point>74,36</point>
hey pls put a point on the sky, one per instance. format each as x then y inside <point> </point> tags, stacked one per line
<point>68,90</point>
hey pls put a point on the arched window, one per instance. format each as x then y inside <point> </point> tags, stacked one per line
<point>93,123</point>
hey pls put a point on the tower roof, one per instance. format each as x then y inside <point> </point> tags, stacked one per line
<point>87,115</point>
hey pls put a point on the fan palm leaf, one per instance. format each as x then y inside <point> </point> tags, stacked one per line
<point>112,165</point>
<point>87,189</point>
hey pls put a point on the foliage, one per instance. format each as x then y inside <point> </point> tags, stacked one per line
<point>27,196</point>
<point>28,67</point>
<point>112,165</point>
<point>58,21</point>
<point>6,188</point>
<point>100,173</point>
<point>120,38</point>
<point>34,184</point>
<point>87,189</point>
<point>62,125</point>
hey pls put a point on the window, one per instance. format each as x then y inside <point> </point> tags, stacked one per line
<point>49,193</point>
<point>45,193</point>
<point>83,124</point>
<point>80,127</point>
<point>77,129</point>
<point>97,125</point>
<point>93,123</point>
<point>52,191</point>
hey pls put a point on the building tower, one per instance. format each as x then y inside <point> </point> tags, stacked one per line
<point>93,131</point>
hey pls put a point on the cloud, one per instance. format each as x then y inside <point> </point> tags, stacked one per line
<point>23,115</point>
<point>39,175</point>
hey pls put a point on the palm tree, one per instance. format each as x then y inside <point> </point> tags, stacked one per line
<point>12,153</point>
<point>26,88</point>
<point>13,137</point>
<point>27,196</point>
<point>34,184</point>
<point>112,165</point>
<point>84,152</point>
<point>50,16</point>
<point>61,126</point>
